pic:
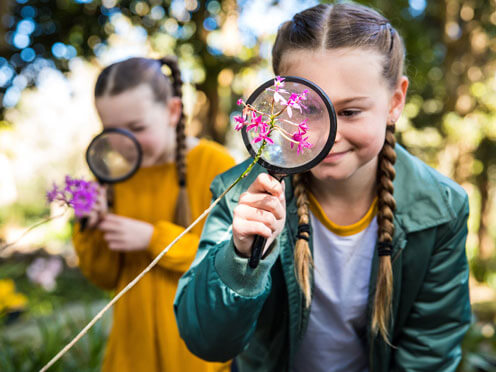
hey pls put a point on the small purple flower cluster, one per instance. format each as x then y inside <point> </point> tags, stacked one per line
<point>265,128</point>
<point>79,194</point>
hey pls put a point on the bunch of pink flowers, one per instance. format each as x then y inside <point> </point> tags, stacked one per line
<point>265,123</point>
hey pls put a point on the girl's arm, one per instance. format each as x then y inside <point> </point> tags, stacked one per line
<point>181,255</point>
<point>440,316</point>
<point>98,263</point>
<point>213,161</point>
<point>220,298</point>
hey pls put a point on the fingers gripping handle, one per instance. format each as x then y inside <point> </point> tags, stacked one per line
<point>259,241</point>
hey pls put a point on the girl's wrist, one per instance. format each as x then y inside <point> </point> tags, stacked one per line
<point>238,253</point>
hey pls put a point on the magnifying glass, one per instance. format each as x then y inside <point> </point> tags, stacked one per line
<point>113,156</point>
<point>304,129</point>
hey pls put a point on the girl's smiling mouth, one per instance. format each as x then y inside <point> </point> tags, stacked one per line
<point>335,156</point>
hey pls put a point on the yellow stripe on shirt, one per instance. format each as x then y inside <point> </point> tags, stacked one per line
<point>342,230</point>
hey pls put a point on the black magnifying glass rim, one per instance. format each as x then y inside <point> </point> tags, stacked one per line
<point>330,140</point>
<point>110,180</point>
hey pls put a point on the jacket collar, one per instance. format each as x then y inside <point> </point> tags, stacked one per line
<point>421,200</point>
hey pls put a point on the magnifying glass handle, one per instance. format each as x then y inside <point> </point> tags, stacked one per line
<point>259,241</point>
<point>256,250</point>
<point>83,222</point>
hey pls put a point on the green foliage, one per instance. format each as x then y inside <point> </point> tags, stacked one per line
<point>479,348</point>
<point>71,287</point>
<point>29,346</point>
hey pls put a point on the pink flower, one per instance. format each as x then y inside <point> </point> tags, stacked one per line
<point>278,83</point>
<point>303,126</point>
<point>239,102</point>
<point>302,142</point>
<point>297,136</point>
<point>264,135</point>
<point>257,123</point>
<point>241,122</point>
<point>295,99</point>
<point>44,271</point>
<point>279,98</point>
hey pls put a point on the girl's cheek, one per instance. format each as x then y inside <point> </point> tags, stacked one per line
<point>144,143</point>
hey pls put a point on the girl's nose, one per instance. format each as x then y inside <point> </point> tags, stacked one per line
<point>338,135</point>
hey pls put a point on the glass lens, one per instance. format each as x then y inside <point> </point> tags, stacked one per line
<point>300,124</point>
<point>113,156</point>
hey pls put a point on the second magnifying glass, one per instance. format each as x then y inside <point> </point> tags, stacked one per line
<point>113,156</point>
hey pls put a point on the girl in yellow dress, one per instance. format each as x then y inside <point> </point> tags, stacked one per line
<point>150,209</point>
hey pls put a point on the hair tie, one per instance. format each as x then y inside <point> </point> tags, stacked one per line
<point>385,248</point>
<point>303,228</point>
<point>304,237</point>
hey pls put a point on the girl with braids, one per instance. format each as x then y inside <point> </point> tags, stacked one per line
<point>365,266</point>
<point>150,209</point>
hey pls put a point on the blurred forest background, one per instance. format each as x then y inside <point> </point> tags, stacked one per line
<point>50,54</point>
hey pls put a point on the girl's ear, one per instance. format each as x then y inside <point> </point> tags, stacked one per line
<point>398,100</point>
<point>175,107</point>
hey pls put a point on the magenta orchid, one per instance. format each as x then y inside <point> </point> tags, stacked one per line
<point>278,82</point>
<point>240,120</point>
<point>303,126</point>
<point>264,123</point>
<point>263,136</point>
<point>258,124</point>
<point>300,141</point>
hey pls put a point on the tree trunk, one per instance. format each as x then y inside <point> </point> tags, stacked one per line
<point>5,8</point>
<point>486,243</point>
<point>485,154</point>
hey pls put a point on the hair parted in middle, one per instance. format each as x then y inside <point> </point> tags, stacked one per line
<point>349,25</point>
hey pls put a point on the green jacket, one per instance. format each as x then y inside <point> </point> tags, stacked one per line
<point>224,309</point>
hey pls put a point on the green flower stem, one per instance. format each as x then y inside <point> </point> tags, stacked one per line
<point>280,112</point>
<point>152,264</point>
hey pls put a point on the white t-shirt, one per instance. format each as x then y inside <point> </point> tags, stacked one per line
<point>335,338</point>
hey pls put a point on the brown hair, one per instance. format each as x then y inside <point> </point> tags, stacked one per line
<point>132,72</point>
<point>349,25</point>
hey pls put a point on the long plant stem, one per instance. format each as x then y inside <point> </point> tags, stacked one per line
<point>32,227</point>
<point>151,265</point>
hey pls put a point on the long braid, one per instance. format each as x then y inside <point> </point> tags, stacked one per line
<point>302,254</point>
<point>182,214</point>
<point>386,207</point>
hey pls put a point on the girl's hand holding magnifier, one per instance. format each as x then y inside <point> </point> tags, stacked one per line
<point>261,210</point>
<point>125,234</point>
